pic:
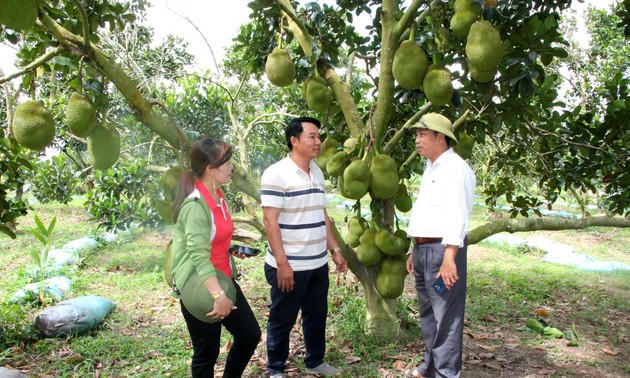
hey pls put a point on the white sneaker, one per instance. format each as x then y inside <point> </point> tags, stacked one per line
<point>324,370</point>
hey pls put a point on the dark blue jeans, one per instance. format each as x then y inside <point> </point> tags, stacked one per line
<point>206,339</point>
<point>309,294</point>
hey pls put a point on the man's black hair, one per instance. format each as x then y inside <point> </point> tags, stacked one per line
<point>294,128</point>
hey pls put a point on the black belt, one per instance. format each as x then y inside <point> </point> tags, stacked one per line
<point>418,241</point>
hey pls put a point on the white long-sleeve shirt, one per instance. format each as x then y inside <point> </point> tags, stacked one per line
<point>445,200</point>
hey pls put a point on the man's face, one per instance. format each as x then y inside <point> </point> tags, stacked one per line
<point>308,144</point>
<point>428,143</point>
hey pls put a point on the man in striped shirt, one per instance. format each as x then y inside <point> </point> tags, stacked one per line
<point>300,235</point>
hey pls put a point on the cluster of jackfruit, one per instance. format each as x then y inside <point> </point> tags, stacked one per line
<point>466,13</point>
<point>33,125</point>
<point>103,146</point>
<point>18,14</point>
<point>279,68</point>
<point>380,246</point>
<point>484,51</point>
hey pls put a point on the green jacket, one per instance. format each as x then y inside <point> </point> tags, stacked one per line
<point>191,243</point>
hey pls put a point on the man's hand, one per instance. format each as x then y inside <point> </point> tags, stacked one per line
<point>285,277</point>
<point>448,270</point>
<point>340,262</point>
<point>409,264</point>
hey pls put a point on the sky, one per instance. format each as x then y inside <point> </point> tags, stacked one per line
<point>218,23</point>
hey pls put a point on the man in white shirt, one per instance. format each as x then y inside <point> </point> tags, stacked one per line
<point>300,235</point>
<point>438,227</point>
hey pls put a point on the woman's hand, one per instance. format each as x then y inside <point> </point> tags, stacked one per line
<point>222,308</point>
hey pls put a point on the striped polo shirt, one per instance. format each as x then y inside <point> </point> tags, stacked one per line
<point>302,224</point>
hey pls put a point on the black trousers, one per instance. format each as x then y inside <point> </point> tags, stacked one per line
<point>206,339</point>
<point>310,295</point>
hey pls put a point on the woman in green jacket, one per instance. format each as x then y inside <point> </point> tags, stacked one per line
<point>203,234</point>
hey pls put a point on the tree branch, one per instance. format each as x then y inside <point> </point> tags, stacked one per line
<point>535,224</point>
<point>33,65</point>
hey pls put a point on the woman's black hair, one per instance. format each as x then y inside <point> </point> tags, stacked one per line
<point>206,152</point>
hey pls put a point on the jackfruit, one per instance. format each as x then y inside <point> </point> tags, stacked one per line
<point>403,201</point>
<point>402,234</point>
<point>461,22</point>
<point>356,179</point>
<point>318,95</point>
<point>437,85</point>
<point>383,177</point>
<point>396,265</point>
<point>337,164</point>
<point>368,253</point>
<point>279,68</point>
<point>388,285</point>
<point>409,65</point>
<point>356,226</point>
<point>483,46</point>
<point>466,5</point>
<point>350,144</point>
<point>33,125</point>
<point>388,242</point>
<point>164,209</point>
<point>80,115</point>
<point>18,14</point>
<point>481,76</point>
<point>465,144</point>
<point>103,147</point>
<point>326,150</point>
<point>168,184</point>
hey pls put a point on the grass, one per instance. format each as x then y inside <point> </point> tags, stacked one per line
<point>145,335</point>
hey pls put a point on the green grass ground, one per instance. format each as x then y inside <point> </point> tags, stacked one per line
<point>145,335</point>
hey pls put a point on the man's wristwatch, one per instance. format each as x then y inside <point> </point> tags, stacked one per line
<point>336,249</point>
<point>217,294</point>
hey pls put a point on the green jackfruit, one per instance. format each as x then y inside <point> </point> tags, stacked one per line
<point>358,225</point>
<point>356,179</point>
<point>80,115</point>
<point>466,5</point>
<point>402,201</point>
<point>461,22</point>
<point>350,144</point>
<point>409,65</point>
<point>389,286</point>
<point>326,150</point>
<point>368,253</point>
<point>169,183</point>
<point>384,177</point>
<point>437,85</point>
<point>481,76</point>
<point>396,265</point>
<point>318,95</point>
<point>353,240</point>
<point>279,68</point>
<point>337,164</point>
<point>164,209</point>
<point>103,147</point>
<point>402,234</point>
<point>388,242</point>
<point>483,46</point>
<point>465,144</point>
<point>18,14</point>
<point>33,125</point>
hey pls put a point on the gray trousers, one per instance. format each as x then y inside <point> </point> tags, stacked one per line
<point>441,316</point>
